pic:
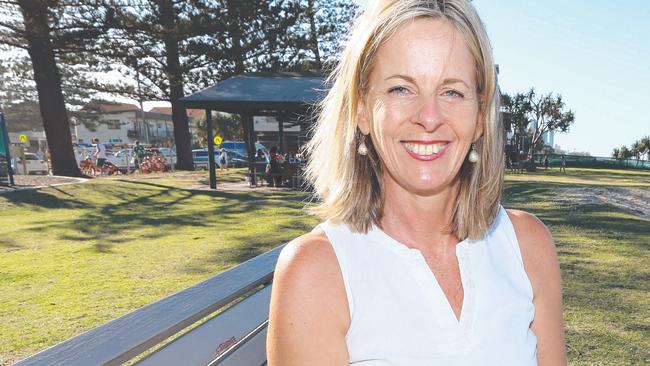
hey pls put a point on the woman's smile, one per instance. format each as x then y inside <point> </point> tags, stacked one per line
<point>426,150</point>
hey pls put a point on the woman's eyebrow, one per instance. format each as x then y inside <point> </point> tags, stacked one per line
<point>455,81</point>
<point>412,80</point>
<point>404,77</point>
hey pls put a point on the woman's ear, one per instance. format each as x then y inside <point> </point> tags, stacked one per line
<point>363,121</point>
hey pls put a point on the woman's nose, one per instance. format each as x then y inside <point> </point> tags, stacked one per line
<point>430,114</point>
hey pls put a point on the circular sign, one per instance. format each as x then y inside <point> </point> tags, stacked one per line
<point>23,138</point>
<point>217,140</point>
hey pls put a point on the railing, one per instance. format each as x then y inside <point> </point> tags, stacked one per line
<point>234,336</point>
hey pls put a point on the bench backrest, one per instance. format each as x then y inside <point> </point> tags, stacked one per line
<point>226,315</point>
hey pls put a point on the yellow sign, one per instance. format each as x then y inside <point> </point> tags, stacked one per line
<point>217,140</point>
<point>23,138</point>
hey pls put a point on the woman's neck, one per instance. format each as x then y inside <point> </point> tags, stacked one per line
<point>420,222</point>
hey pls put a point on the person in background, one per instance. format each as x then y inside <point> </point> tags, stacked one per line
<point>260,156</point>
<point>223,159</point>
<point>546,162</point>
<point>274,176</point>
<point>99,152</point>
<point>563,164</point>
<point>521,160</point>
<point>138,155</point>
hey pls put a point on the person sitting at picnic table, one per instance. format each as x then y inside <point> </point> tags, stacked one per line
<point>260,156</point>
<point>416,262</point>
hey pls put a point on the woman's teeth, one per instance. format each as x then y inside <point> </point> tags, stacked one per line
<point>425,149</point>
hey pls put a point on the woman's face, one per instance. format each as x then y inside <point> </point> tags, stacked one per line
<point>422,108</point>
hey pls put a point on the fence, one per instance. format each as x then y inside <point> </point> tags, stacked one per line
<point>579,161</point>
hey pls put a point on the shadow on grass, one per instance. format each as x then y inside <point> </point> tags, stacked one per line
<point>9,244</point>
<point>252,245</point>
<point>41,199</point>
<point>123,217</point>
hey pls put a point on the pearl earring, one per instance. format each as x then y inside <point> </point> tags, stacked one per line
<point>362,149</point>
<point>473,155</point>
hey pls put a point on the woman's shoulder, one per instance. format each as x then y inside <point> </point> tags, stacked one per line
<point>308,316</point>
<point>308,267</point>
<point>537,246</point>
<point>306,249</point>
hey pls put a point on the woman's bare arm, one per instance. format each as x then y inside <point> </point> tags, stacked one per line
<point>542,267</point>
<point>309,313</point>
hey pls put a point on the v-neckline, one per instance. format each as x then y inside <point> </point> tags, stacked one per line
<point>432,282</point>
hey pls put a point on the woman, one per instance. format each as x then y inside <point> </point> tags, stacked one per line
<point>416,262</point>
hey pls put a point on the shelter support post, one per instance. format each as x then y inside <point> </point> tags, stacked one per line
<point>208,127</point>
<point>282,117</point>
<point>249,135</point>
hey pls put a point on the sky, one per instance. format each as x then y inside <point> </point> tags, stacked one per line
<point>594,53</point>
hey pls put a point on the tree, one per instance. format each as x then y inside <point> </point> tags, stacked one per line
<point>514,111</point>
<point>322,25</point>
<point>50,32</point>
<point>624,153</point>
<point>228,126</point>
<point>548,114</point>
<point>35,35</point>
<point>616,152</point>
<point>644,146</point>
<point>151,39</point>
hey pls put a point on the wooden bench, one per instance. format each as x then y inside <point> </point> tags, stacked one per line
<point>220,321</point>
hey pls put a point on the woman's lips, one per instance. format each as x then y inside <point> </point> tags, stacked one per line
<point>426,150</point>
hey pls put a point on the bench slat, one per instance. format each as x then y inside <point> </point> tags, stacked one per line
<point>126,337</point>
<point>199,346</point>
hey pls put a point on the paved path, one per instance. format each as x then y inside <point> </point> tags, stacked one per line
<point>30,182</point>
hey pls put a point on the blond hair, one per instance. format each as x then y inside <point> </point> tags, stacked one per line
<point>349,185</point>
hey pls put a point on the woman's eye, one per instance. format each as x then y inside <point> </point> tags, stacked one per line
<point>453,93</point>
<point>398,90</point>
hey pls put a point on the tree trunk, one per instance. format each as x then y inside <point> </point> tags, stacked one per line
<point>175,76</point>
<point>48,85</point>
<point>236,35</point>
<point>313,33</point>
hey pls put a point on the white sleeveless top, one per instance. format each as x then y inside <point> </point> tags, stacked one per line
<point>401,317</point>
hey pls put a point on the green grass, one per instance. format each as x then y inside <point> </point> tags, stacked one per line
<point>604,257</point>
<point>76,256</point>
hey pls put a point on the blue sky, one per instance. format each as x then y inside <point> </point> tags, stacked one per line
<point>595,53</point>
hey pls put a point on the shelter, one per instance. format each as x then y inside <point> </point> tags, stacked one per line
<point>287,96</point>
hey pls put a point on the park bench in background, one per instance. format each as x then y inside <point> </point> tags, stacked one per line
<point>235,336</point>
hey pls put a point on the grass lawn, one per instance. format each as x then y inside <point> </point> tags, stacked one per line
<point>76,256</point>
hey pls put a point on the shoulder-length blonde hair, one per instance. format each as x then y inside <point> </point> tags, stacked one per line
<point>348,184</point>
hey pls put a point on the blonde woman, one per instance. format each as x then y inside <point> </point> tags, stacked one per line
<point>416,262</point>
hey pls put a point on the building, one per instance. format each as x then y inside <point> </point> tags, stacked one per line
<point>123,123</point>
